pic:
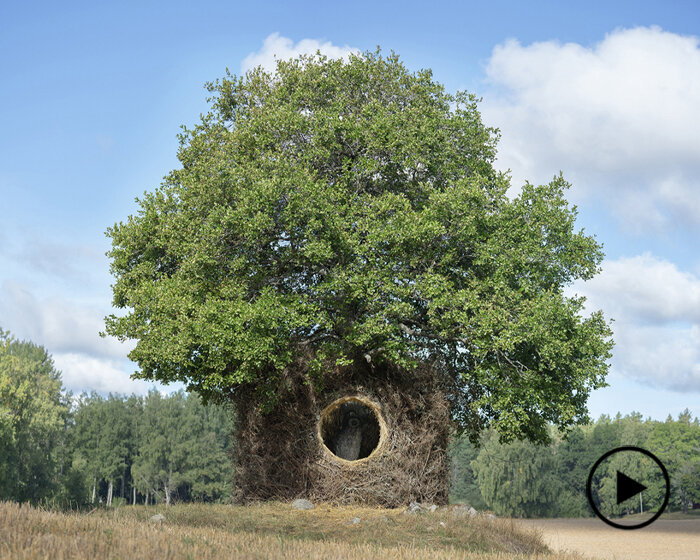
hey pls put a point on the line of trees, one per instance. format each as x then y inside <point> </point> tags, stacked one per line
<point>92,449</point>
<point>152,448</point>
<point>528,480</point>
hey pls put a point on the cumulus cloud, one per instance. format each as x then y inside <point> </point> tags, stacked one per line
<point>620,119</point>
<point>59,324</point>
<point>84,373</point>
<point>80,372</point>
<point>69,331</point>
<point>659,356</point>
<point>647,288</point>
<point>656,312</point>
<point>276,47</point>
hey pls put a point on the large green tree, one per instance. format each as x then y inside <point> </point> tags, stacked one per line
<point>33,414</point>
<point>349,210</point>
<point>517,479</point>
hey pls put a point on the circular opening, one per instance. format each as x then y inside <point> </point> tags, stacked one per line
<point>350,428</point>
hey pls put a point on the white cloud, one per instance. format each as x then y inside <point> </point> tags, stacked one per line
<point>645,288</point>
<point>659,356</point>
<point>276,48</point>
<point>58,324</point>
<point>69,332</point>
<point>621,119</point>
<point>656,312</point>
<point>626,395</point>
<point>80,372</point>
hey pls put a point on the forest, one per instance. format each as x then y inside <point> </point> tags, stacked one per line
<point>74,451</point>
<point>522,479</point>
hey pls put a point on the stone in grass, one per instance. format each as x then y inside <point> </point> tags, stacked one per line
<point>158,518</point>
<point>464,511</point>
<point>302,504</point>
<point>355,521</point>
<point>415,507</point>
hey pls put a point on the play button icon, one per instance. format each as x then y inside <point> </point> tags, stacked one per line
<point>622,474</point>
<point>627,487</point>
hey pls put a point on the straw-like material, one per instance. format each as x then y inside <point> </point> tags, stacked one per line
<point>288,453</point>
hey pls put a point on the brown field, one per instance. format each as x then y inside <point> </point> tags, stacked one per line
<point>665,539</point>
<point>262,531</point>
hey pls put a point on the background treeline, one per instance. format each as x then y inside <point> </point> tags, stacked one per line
<point>75,451</point>
<point>523,479</point>
<point>72,451</point>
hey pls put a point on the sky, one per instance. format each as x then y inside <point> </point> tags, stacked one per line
<point>93,96</point>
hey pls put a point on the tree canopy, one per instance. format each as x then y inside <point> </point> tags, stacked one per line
<point>32,416</point>
<point>349,210</point>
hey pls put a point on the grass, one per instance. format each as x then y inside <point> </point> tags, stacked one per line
<point>272,530</point>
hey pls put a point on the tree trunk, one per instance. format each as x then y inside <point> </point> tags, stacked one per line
<point>94,488</point>
<point>167,493</point>
<point>19,474</point>
<point>109,493</point>
<point>133,503</point>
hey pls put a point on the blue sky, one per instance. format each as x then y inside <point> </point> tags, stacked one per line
<point>93,96</point>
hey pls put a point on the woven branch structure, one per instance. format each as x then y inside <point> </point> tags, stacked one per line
<point>294,451</point>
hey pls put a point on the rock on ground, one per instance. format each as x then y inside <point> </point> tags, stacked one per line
<point>415,507</point>
<point>302,504</point>
<point>464,511</point>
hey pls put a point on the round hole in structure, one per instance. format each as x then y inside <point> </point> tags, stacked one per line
<point>351,428</point>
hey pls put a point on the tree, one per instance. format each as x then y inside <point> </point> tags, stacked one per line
<point>677,444</point>
<point>114,450</point>
<point>465,486</point>
<point>208,470</point>
<point>32,416</point>
<point>337,217</point>
<point>574,457</point>
<point>517,479</point>
<point>164,445</point>
<point>87,438</point>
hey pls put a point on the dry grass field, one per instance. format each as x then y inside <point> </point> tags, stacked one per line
<point>665,539</point>
<point>262,531</point>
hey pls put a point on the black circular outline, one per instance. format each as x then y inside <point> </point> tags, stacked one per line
<point>589,493</point>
